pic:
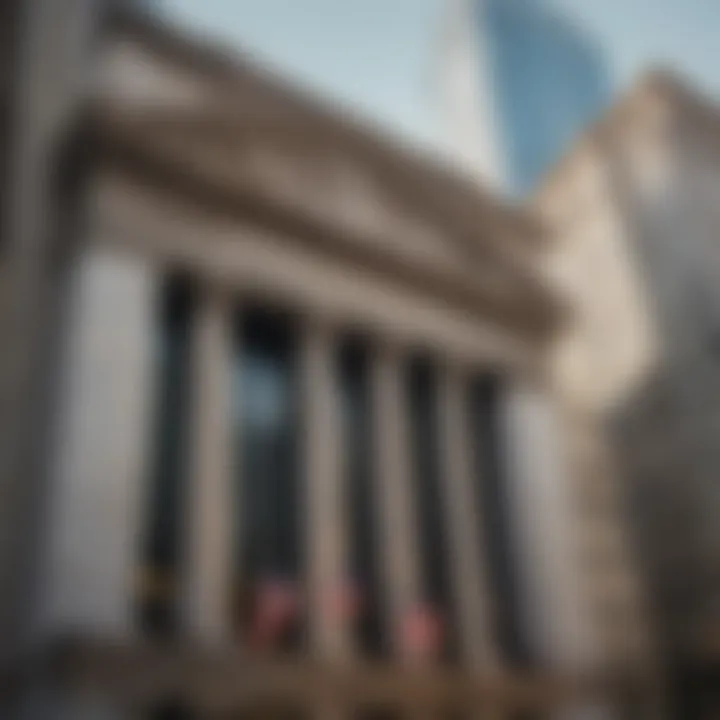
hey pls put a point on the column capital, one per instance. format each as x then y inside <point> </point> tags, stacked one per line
<point>318,326</point>
<point>216,295</point>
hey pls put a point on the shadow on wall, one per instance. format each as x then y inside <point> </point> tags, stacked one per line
<point>669,456</point>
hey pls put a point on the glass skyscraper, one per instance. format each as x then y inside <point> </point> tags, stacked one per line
<point>526,79</point>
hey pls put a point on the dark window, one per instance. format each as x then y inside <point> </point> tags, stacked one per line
<point>491,488</point>
<point>161,548</point>
<point>426,474</point>
<point>358,453</point>
<point>266,416</point>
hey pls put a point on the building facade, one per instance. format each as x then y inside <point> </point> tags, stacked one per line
<point>634,209</point>
<point>303,447</point>
<point>519,83</point>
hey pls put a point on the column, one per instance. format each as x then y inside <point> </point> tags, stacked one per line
<point>325,497</point>
<point>541,508</point>
<point>52,50</point>
<point>96,493</point>
<point>211,500</point>
<point>397,531</point>
<point>464,523</point>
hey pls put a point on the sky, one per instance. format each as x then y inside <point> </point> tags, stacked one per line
<point>380,56</point>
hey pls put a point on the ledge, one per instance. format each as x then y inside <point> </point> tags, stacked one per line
<point>140,675</point>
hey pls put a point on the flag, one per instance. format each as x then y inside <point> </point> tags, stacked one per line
<point>423,632</point>
<point>276,608</point>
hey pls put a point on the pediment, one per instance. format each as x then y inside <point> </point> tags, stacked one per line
<point>313,176</point>
<point>247,130</point>
<point>242,132</point>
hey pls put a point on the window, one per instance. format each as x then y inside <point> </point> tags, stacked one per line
<point>161,547</point>
<point>427,491</point>
<point>358,453</point>
<point>498,546</point>
<point>269,543</point>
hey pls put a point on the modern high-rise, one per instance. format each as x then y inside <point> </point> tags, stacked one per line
<point>519,82</point>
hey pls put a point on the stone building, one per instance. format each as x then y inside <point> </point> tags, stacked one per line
<point>634,210</point>
<point>297,401</point>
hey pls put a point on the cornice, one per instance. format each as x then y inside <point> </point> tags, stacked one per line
<point>522,303</point>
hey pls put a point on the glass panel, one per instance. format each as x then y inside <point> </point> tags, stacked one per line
<point>550,82</point>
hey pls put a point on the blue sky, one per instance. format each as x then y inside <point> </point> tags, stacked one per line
<point>379,55</point>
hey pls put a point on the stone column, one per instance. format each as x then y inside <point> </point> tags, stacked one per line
<point>94,510</point>
<point>326,508</point>
<point>397,539</point>
<point>211,504</point>
<point>464,523</point>
<point>540,507</point>
<point>53,47</point>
